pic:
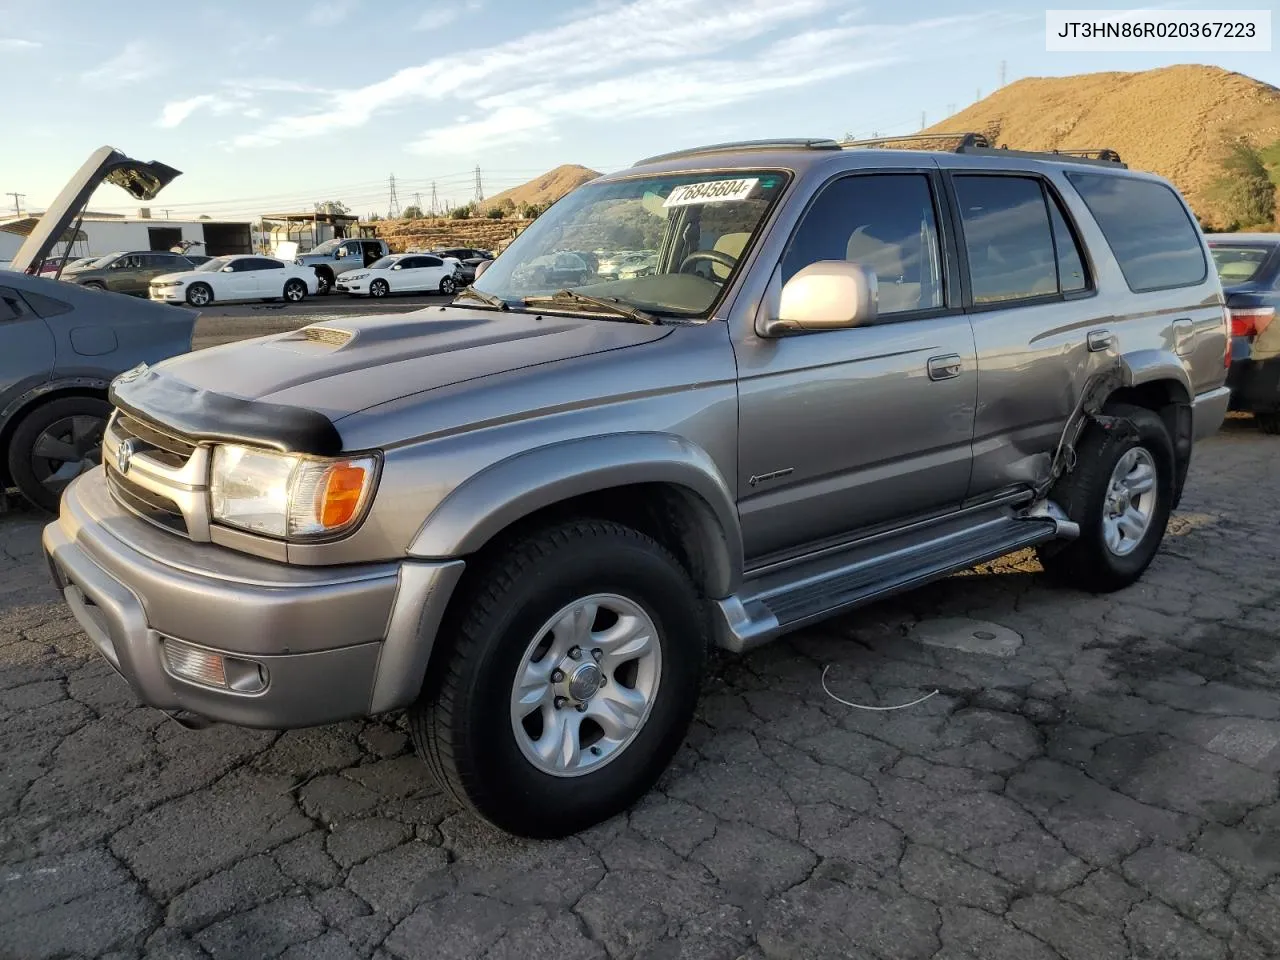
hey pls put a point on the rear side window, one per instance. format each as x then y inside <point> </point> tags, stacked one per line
<point>1071,273</point>
<point>45,306</point>
<point>1147,227</point>
<point>429,262</point>
<point>1007,237</point>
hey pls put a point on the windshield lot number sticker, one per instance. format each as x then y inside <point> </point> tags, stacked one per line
<point>713,191</point>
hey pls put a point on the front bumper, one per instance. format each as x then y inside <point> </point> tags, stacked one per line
<point>168,294</point>
<point>331,643</point>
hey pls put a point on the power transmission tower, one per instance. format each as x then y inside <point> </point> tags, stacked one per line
<point>479,187</point>
<point>417,201</point>
<point>18,197</point>
<point>435,201</point>
<point>1003,65</point>
<point>393,203</point>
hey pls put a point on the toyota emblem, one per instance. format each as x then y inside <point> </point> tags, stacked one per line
<point>124,454</point>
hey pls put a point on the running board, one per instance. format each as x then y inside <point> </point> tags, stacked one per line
<point>784,600</point>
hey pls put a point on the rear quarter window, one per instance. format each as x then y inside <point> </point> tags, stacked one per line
<point>1148,229</point>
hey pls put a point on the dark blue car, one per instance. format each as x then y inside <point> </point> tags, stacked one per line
<point>1249,267</point>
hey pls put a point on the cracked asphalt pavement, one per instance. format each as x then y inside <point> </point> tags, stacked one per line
<point>1107,790</point>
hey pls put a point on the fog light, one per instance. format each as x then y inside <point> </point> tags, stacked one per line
<point>211,669</point>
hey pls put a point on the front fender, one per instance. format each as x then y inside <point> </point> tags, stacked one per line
<point>501,494</point>
<point>16,407</point>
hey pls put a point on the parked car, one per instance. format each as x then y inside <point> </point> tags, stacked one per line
<point>228,279</point>
<point>1249,267</point>
<point>611,267</point>
<point>404,273</point>
<point>129,273</point>
<point>333,258</point>
<point>642,266</point>
<point>51,264</point>
<point>61,344</point>
<point>468,257</point>
<point>524,516</point>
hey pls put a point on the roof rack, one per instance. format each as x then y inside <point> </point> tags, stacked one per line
<point>1100,156</point>
<point>966,140</point>
<point>809,143</point>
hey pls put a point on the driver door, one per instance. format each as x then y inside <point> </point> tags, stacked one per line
<point>237,281</point>
<point>123,274</point>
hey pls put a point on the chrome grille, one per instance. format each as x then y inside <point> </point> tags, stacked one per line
<point>161,511</point>
<point>166,480</point>
<point>162,447</point>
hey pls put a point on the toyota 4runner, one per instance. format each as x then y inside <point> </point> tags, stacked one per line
<point>526,516</point>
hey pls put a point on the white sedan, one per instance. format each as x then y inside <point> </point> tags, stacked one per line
<point>224,279</point>
<point>404,273</point>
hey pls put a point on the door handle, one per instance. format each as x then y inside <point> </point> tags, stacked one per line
<point>944,368</point>
<point>1100,340</point>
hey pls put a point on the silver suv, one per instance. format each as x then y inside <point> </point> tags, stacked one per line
<point>527,515</point>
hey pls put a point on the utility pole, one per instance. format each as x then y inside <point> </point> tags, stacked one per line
<point>393,203</point>
<point>1003,65</point>
<point>166,214</point>
<point>435,200</point>
<point>17,197</point>
<point>922,120</point>
<point>977,95</point>
<point>479,187</point>
<point>951,109</point>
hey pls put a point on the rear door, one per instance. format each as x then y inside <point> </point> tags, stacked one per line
<point>844,431</point>
<point>268,277</point>
<point>430,272</point>
<point>1039,326</point>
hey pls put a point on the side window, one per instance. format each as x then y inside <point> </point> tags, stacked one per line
<point>1007,238</point>
<point>1072,276</point>
<point>9,304</point>
<point>887,223</point>
<point>263,263</point>
<point>429,262</point>
<point>243,265</point>
<point>45,306</point>
<point>1148,229</point>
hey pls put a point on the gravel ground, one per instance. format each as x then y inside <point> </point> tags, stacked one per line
<point>1101,783</point>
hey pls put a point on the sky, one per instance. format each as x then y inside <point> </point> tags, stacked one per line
<point>272,106</point>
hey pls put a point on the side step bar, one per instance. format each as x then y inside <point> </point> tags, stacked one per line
<point>777,603</point>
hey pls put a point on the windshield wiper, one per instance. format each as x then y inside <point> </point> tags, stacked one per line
<point>613,305</point>
<point>487,298</point>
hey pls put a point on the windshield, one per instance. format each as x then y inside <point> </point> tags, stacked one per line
<point>1238,264</point>
<point>327,247</point>
<point>214,265</point>
<point>386,263</point>
<point>684,232</point>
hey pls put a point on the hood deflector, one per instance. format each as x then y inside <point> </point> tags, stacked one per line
<point>141,180</point>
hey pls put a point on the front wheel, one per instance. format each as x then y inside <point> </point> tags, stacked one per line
<point>324,283</point>
<point>199,295</point>
<point>1121,494</point>
<point>570,681</point>
<point>379,288</point>
<point>448,286</point>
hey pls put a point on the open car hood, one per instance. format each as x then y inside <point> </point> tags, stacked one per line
<point>141,180</point>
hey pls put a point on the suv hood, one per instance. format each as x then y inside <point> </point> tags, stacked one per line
<point>341,367</point>
<point>141,180</point>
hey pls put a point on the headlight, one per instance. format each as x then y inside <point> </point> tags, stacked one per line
<point>169,283</point>
<point>288,496</point>
<point>355,276</point>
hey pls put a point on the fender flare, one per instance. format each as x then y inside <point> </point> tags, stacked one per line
<point>1147,366</point>
<point>16,407</point>
<point>507,491</point>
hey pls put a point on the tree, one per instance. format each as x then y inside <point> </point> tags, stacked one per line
<point>332,206</point>
<point>374,217</point>
<point>461,213</point>
<point>204,216</point>
<point>494,213</point>
<point>1245,195</point>
<point>413,213</point>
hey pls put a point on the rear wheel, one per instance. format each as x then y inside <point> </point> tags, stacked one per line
<point>379,288</point>
<point>448,286</point>
<point>199,294</point>
<point>295,290</point>
<point>1121,494</point>
<point>54,444</point>
<point>571,679</point>
<point>1268,422</point>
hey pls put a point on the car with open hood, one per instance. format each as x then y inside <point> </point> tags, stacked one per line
<point>236,278</point>
<point>61,344</point>
<point>526,515</point>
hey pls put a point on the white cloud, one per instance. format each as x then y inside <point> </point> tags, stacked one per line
<point>331,12</point>
<point>602,39</point>
<point>175,111</point>
<point>134,63</point>
<point>440,14</point>
<point>17,43</point>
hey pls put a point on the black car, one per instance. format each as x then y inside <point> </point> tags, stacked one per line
<point>469,257</point>
<point>62,344</point>
<point>1249,268</point>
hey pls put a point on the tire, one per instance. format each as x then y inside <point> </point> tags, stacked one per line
<point>379,288</point>
<point>295,291</point>
<point>199,295</point>
<point>1268,423</point>
<point>324,283</point>
<point>69,428</point>
<point>448,286</point>
<point>464,723</point>
<point>1089,562</point>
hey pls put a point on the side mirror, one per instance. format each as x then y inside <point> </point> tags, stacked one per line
<point>395,266</point>
<point>827,295</point>
<point>482,266</point>
<point>228,270</point>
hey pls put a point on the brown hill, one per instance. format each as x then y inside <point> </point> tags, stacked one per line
<point>1176,121</point>
<point>548,188</point>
